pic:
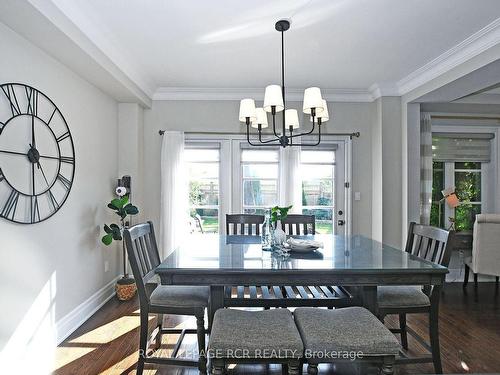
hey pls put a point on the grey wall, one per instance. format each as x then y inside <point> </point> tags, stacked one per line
<point>48,269</point>
<point>222,116</point>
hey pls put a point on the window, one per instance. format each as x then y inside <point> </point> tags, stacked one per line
<point>317,173</point>
<point>203,179</point>
<point>467,179</point>
<point>260,174</point>
<point>468,189</point>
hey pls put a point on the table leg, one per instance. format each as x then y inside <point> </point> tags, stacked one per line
<point>216,302</point>
<point>370,299</point>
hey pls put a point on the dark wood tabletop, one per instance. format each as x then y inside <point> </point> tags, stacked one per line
<point>219,260</point>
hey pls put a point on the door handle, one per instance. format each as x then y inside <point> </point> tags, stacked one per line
<point>340,222</point>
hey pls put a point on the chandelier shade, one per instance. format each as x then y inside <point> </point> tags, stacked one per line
<point>313,102</point>
<point>273,97</point>
<point>292,118</point>
<point>261,119</point>
<point>323,116</point>
<point>247,110</point>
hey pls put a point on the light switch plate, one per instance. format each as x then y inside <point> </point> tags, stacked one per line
<point>357,196</point>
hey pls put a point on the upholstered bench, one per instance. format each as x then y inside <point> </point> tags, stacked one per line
<point>347,334</point>
<point>268,336</point>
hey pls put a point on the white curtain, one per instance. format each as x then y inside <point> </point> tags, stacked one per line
<point>174,193</point>
<point>290,181</point>
<point>425,168</point>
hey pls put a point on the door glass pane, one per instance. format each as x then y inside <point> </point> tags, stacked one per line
<point>203,184</point>
<point>465,215</point>
<point>316,171</point>
<point>260,170</point>
<point>260,192</point>
<point>317,192</point>
<point>468,186</point>
<point>468,165</point>
<point>259,155</point>
<point>317,156</point>
<point>437,187</point>
<point>324,219</point>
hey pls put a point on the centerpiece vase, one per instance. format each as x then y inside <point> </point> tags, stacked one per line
<point>279,235</point>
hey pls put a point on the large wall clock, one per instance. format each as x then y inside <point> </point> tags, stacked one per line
<point>37,156</point>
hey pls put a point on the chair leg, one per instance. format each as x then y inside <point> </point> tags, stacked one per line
<point>200,332</point>
<point>294,367</point>
<point>404,333</point>
<point>159,324</point>
<point>475,280</point>
<point>143,341</point>
<point>218,367</point>
<point>466,275</point>
<point>434,338</point>
<point>497,280</point>
<point>388,365</point>
<point>312,369</point>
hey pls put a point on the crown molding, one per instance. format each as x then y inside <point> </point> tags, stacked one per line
<point>477,43</point>
<point>378,90</point>
<point>296,95</point>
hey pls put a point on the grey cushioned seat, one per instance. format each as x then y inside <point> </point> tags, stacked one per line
<point>401,296</point>
<point>259,334</point>
<point>180,296</point>
<point>352,329</point>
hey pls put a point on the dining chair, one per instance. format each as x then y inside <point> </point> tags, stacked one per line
<point>434,245</point>
<point>265,337</point>
<point>485,257</point>
<point>275,296</point>
<point>143,256</point>
<point>298,225</point>
<point>248,224</point>
<point>329,334</point>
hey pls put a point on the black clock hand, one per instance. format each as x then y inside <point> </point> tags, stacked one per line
<point>33,131</point>
<point>43,174</point>
<point>25,153</point>
<point>33,177</point>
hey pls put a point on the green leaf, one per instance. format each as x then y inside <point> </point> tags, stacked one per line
<point>117,203</point>
<point>112,206</point>
<point>107,229</point>
<point>114,226</point>
<point>131,209</point>
<point>124,200</point>
<point>117,236</point>
<point>107,239</point>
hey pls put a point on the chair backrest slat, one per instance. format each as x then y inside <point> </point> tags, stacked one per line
<point>248,224</point>
<point>143,255</point>
<point>303,224</point>
<point>431,243</point>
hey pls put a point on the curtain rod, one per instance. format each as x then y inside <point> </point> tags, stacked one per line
<point>464,117</point>
<point>355,134</point>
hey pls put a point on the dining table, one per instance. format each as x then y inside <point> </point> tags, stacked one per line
<point>218,261</point>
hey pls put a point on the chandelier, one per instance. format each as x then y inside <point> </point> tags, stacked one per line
<point>274,101</point>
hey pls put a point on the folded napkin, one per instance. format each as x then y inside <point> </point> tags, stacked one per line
<point>301,243</point>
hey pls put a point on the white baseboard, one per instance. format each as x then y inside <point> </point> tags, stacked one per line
<point>68,324</point>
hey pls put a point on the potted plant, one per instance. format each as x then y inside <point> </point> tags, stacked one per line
<point>125,286</point>
<point>278,214</point>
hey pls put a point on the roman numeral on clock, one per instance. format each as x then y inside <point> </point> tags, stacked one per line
<point>1,175</point>
<point>10,94</point>
<point>35,211</point>
<point>66,183</point>
<point>9,208</point>
<point>53,201</point>
<point>32,96</point>
<point>62,137</point>
<point>67,159</point>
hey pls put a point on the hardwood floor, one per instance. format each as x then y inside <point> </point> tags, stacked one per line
<point>469,331</point>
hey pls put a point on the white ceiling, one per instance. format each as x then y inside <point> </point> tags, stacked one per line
<point>348,44</point>
<point>355,50</point>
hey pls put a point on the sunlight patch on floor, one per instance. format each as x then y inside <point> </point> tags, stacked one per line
<point>110,331</point>
<point>65,355</point>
